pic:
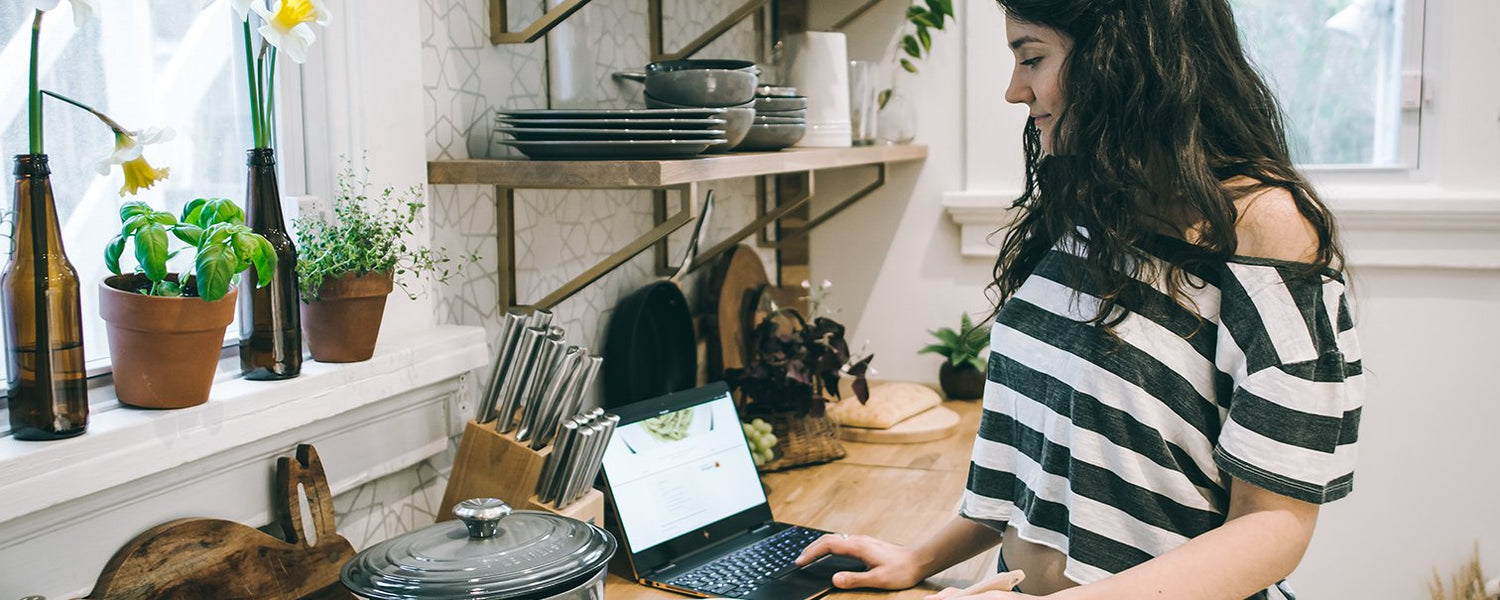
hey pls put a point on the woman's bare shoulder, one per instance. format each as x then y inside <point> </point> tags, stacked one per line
<point>1271,226</point>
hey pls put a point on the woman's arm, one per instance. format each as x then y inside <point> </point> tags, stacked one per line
<point>894,567</point>
<point>1260,544</point>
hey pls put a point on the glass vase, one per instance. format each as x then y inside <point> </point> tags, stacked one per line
<point>898,120</point>
<point>864,100</point>
<point>49,396</point>
<point>270,318</point>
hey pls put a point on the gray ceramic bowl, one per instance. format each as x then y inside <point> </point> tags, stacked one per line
<point>765,120</point>
<point>772,137</point>
<point>654,102</point>
<point>707,83</point>
<point>738,120</point>
<point>785,114</point>
<point>776,91</point>
<point>777,104</point>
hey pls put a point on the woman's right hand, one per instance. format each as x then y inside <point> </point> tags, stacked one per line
<point>889,566</point>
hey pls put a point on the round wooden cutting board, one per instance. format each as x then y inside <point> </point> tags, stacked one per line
<point>735,283</point>
<point>934,423</point>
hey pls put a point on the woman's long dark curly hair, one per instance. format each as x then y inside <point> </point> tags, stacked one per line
<point>1162,108</point>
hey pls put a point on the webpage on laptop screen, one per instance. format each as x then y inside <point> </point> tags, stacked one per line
<point>680,471</point>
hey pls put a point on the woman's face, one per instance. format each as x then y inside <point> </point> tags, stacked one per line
<point>1036,81</point>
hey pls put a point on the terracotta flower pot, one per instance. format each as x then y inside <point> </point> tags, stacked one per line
<point>961,382</point>
<point>342,325</point>
<point>164,350</point>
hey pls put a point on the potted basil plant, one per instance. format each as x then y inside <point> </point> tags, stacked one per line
<point>348,265</point>
<point>962,375</point>
<point>166,328</point>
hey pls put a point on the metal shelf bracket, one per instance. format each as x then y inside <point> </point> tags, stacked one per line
<point>829,213</point>
<point>505,212</point>
<point>500,23</point>
<point>793,190</point>
<point>658,50</point>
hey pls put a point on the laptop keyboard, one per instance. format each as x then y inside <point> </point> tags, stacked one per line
<point>745,570</point>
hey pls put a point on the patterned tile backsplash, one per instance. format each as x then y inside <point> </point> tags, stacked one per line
<point>559,233</point>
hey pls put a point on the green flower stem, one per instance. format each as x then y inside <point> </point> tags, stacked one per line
<point>255,117</point>
<point>118,129</point>
<point>271,96</point>
<point>34,98</point>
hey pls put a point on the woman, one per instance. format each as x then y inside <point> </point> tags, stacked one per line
<point>1174,384</point>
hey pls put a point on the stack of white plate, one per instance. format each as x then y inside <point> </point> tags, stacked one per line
<point>611,133</point>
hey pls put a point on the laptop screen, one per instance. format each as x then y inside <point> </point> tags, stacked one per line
<point>675,471</point>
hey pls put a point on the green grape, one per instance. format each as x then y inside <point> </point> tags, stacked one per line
<point>758,434</point>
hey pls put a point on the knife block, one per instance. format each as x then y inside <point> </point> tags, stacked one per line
<point>490,464</point>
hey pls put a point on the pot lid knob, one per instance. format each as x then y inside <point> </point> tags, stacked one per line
<point>482,515</point>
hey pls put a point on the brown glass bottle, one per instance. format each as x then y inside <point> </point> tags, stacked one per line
<point>48,388</point>
<point>270,318</point>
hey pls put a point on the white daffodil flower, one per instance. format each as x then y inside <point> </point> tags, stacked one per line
<point>83,10</point>
<point>289,27</point>
<point>139,174</point>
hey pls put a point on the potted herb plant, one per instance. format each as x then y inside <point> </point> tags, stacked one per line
<point>967,350</point>
<point>348,265</point>
<point>165,329</point>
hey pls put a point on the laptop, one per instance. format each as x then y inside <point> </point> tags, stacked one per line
<point>684,498</point>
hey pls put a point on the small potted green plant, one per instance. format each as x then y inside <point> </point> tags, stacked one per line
<point>967,350</point>
<point>166,328</point>
<point>348,265</point>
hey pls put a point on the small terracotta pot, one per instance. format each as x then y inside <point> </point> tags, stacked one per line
<point>961,382</point>
<point>164,350</point>
<point>343,323</point>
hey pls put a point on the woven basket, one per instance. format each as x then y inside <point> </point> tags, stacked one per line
<point>802,440</point>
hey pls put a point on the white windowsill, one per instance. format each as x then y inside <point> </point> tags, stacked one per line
<point>137,468</point>
<point>1395,226</point>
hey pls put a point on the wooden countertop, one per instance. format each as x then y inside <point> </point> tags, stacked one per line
<point>896,492</point>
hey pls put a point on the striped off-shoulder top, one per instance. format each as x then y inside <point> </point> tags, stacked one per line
<point>1115,448</point>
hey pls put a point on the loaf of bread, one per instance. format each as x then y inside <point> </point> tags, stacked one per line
<point>889,404</point>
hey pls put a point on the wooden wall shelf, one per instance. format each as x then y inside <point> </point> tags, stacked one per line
<point>657,174</point>
<point>793,167</point>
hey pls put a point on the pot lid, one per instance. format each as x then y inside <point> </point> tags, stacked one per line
<point>493,553</point>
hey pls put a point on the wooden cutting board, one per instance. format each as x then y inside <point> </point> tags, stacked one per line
<point>934,423</point>
<point>733,288</point>
<point>192,559</point>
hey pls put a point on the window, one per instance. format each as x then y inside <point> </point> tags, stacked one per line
<point>146,63</point>
<point>1337,67</point>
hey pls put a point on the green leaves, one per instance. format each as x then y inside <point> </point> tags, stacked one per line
<point>966,345</point>
<point>151,251</point>
<point>213,227</point>
<point>214,265</point>
<point>206,212</point>
<point>924,18</point>
<point>112,253</point>
<point>911,46</point>
<point>370,232</point>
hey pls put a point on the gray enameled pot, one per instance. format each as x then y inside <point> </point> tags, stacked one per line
<point>494,554</point>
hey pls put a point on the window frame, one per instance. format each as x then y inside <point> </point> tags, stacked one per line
<point>1412,142</point>
<point>293,143</point>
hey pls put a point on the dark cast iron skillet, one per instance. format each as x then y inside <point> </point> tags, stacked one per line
<point>650,348</point>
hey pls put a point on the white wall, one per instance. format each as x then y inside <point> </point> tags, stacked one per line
<point>892,257</point>
<point>1425,256</point>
